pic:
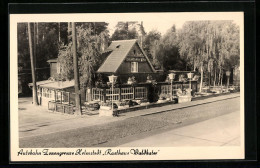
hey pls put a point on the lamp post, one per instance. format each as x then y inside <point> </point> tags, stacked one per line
<point>171,77</point>
<point>112,79</point>
<point>190,75</point>
<point>228,75</point>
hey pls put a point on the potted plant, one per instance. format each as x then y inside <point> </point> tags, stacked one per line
<point>106,109</point>
<point>162,98</point>
<point>131,80</point>
<point>92,106</point>
<point>184,96</point>
<point>122,105</point>
<point>149,79</point>
<point>144,102</point>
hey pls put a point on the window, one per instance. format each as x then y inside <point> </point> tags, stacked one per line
<point>97,94</point>
<point>166,89</point>
<point>134,66</point>
<point>127,93</point>
<point>46,93</point>
<point>58,68</point>
<point>115,94</point>
<point>140,92</point>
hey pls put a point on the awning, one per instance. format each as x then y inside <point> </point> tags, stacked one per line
<point>54,84</point>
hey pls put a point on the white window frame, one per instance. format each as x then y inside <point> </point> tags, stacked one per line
<point>134,67</point>
<point>166,89</point>
<point>97,94</point>
<point>140,92</point>
<point>115,94</point>
<point>46,93</point>
<point>127,93</point>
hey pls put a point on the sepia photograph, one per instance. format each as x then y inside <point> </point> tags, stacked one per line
<point>128,86</point>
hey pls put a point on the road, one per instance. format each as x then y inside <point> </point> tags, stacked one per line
<point>219,131</point>
<point>174,125</point>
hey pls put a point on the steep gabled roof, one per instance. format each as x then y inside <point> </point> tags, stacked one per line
<point>119,50</point>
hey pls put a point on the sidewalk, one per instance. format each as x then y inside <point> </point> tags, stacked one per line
<point>35,121</point>
<point>179,106</point>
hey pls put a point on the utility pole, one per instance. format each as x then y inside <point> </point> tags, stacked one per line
<point>37,33</point>
<point>59,31</point>
<point>76,70</point>
<point>34,45</point>
<point>35,98</point>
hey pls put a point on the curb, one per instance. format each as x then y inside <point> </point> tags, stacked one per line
<point>186,106</point>
<point>134,109</point>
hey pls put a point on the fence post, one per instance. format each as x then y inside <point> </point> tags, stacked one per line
<point>133,87</point>
<point>61,94</point>
<point>119,94</point>
<point>104,94</point>
<point>69,97</point>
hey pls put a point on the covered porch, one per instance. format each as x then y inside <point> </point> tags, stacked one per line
<point>57,96</point>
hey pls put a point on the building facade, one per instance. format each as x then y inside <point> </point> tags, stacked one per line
<point>137,80</point>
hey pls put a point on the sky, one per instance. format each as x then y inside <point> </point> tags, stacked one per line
<point>162,27</point>
<point>163,21</point>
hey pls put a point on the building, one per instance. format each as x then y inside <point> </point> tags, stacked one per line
<point>54,67</point>
<point>127,60</point>
<point>137,79</point>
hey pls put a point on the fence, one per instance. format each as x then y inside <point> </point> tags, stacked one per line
<point>59,107</point>
<point>124,93</point>
<point>166,87</point>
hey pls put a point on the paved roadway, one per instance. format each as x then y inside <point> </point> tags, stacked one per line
<point>213,121</point>
<point>219,131</point>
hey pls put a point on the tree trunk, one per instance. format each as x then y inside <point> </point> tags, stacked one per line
<point>59,31</point>
<point>201,78</point>
<point>209,79</point>
<point>219,77</point>
<point>215,77</point>
<point>194,64</point>
<point>37,33</point>
<point>35,97</point>
<point>34,47</point>
<point>83,94</point>
<point>221,81</point>
<point>228,81</point>
<point>76,70</point>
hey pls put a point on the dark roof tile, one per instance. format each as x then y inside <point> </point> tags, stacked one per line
<point>120,49</point>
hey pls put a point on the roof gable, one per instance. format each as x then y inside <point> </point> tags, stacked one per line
<point>120,50</point>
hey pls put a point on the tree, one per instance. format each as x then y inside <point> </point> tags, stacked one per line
<point>168,51</point>
<point>150,46</point>
<point>76,70</point>
<point>207,45</point>
<point>124,31</point>
<point>89,48</point>
<point>35,97</point>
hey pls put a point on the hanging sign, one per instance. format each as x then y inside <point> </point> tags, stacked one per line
<point>134,59</point>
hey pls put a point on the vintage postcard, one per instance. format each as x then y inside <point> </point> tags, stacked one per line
<point>127,86</point>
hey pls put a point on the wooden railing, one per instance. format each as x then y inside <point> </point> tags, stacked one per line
<point>59,107</point>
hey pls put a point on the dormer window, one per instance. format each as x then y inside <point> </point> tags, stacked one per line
<point>117,46</point>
